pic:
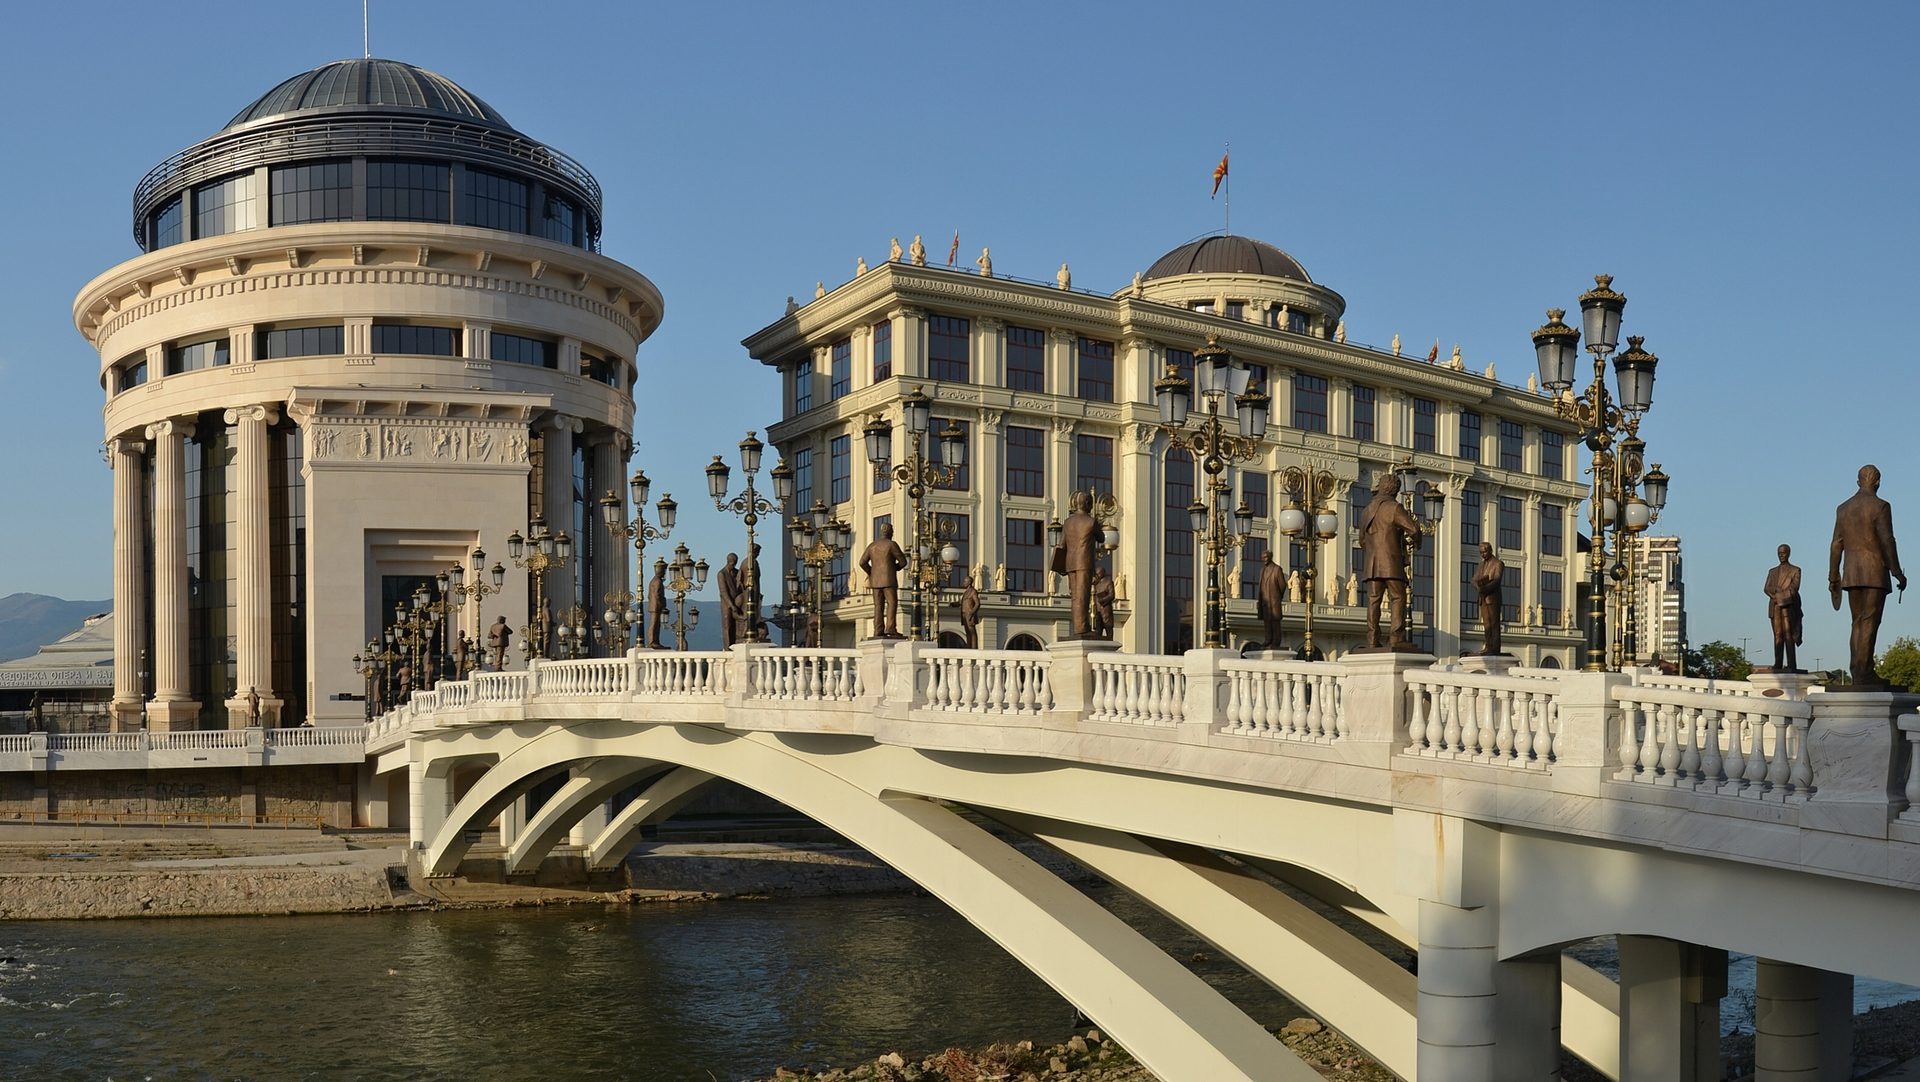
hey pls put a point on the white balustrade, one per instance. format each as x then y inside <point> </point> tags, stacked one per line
<point>989,681</point>
<point>499,687</point>
<point>16,744</point>
<point>586,677</point>
<point>197,740</point>
<point>1285,700</point>
<point>1727,741</point>
<point>97,741</point>
<point>1137,689</point>
<point>330,737</point>
<point>1503,721</point>
<point>1909,725</point>
<point>676,674</point>
<point>802,675</point>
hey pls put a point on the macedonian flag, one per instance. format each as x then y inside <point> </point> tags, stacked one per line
<point>1219,174</point>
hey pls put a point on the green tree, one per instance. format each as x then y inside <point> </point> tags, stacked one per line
<point>1899,665</point>
<point>1719,661</point>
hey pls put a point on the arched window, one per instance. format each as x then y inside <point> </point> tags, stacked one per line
<point>1549,662</point>
<point>1024,642</point>
<point>952,640</point>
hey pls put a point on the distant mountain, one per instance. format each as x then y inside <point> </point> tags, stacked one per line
<point>30,621</point>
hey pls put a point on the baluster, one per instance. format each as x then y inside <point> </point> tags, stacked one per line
<point>1263,706</point>
<point>1416,718</point>
<point>1503,734</point>
<point>1757,757</point>
<point>1486,713</point>
<point>1102,703</point>
<point>1689,735</point>
<point>1710,761</point>
<point>1777,770</point>
<point>1526,734</point>
<point>1669,760</point>
<point>1151,689</point>
<point>1913,771</point>
<point>1330,687</point>
<point>1450,731</point>
<point>1650,742</point>
<point>1436,718</point>
<point>1294,695</point>
<point>1735,760</point>
<point>1317,726</point>
<point>1801,776</point>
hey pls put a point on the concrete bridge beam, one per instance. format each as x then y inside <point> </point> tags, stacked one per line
<point>584,792</point>
<point>658,801</point>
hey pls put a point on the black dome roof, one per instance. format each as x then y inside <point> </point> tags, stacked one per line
<point>370,85</point>
<point>1228,254</point>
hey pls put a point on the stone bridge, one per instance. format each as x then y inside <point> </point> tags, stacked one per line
<point>1485,819</point>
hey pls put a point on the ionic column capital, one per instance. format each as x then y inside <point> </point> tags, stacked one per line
<point>259,412</point>
<point>122,445</point>
<point>172,426</point>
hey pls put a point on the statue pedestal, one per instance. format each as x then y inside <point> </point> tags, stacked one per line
<point>1490,664</point>
<point>1783,683</point>
<point>1282,654</point>
<point>1852,746</point>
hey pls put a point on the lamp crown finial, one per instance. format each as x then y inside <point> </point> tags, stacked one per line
<point>1555,315</point>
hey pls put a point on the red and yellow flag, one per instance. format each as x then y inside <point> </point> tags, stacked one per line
<point>1219,174</point>
<point>953,252</point>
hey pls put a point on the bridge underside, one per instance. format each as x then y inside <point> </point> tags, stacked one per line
<point>1488,910</point>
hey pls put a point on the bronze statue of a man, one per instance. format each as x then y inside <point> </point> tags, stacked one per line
<point>753,625</point>
<point>1489,580</point>
<point>882,562</point>
<point>970,613</point>
<point>732,611</point>
<point>1862,561</point>
<point>1386,529</point>
<point>498,635</point>
<point>1784,612</point>
<point>656,604</point>
<point>1079,551</point>
<point>1272,596</point>
<point>1102,603</point>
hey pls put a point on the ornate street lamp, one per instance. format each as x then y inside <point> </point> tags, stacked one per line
<point>818,541</point>
<point>626,608</point>
<point>1618,510</point>
<point>750,505</point>
<point>918,472</point>
<point>538,552</point>
<point>1221,377</point>
<point>1316,520</point>
<point>684,575</point>
<point>476,591</point>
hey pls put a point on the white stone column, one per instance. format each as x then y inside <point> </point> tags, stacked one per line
<point>429,798</point>
<point>1670,996</point>
<point>252,570</point>
<point>173,704</point>
<point>129,583</point>
<point>1457,1011</point>
<point>1802,1022</point>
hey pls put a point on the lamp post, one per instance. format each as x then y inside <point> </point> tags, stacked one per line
<point>750,505</point>
<point>1314,489</point>
<point>625,608</point>
<point>476,591</point>
<point>367,664</point>
<point>411,635</point>
<point>439,612</point>
<point>684,574</point>
<point>1611,429</point>
<point>919,471</point>
<point>1220,377</point>
<point>817,542</point>
<point>1425,503</point>
<point>538,552</point>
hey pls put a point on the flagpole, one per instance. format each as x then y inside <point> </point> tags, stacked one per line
<point>1227,204</point>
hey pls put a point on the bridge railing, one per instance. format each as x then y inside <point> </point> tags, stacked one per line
<point>793,674</point>
<point>1730,743</point>
<point>679,674</point>
<point>1135,689</point>
<point>1506,721</point>
<point>1013,682</point>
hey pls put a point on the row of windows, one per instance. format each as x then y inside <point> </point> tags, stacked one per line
<point>394,190</point>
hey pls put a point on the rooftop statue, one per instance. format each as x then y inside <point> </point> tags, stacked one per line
<point>893,250</point>
<point>918,252</point>
<point>986,263</point>
<point>1064,278</point>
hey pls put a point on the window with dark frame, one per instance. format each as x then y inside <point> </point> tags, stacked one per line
<point>956,529</point>
<point>1509,526</point>
<point>1552,529</point>
<point>1470,435</point>
<point>1094,379</point>
<point>1026,556</point>
<point>1309,402</point>
<point>1425,429</point>
<point>1553,455</point>
<point>882,350</point>
<point>949,356</point>
<point>1363,412</point>
<point>963,474</point>
<point>310,192</point>
<point>1093,464</point>
<point>841,382</point>
<point>408,191</point>
<point>1550,599</point>
<point>1513,442</point>
<point>1510,590</point>
<point>803,384</point>
<point>520,349</point>
<point>839,469</point>
<point>1026,359</point>
<point>1026,461</point>
<point>803,477</point>
<point>299,342</point>
<point>407,338</point>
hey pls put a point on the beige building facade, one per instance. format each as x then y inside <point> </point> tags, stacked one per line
<point>1053,389</point>
<point>370,332</point>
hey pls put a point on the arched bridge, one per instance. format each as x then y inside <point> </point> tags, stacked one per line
<point>1483,818</point>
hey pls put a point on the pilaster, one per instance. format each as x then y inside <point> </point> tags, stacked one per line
<point>252,571</point>
<point>173,705</point>
<point>129,585</point>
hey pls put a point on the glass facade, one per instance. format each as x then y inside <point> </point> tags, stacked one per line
<point>1509,525</point>
<point>130,373</point>
<point>1553,455</point>
<point>406,191</point>
<point>1026,359</point>
<point>1176,632</point>
<point>1472,516</point>
<point>842,379</point>
<point>1093,464</point>
<point>1026,461</point>
<point>882,350</point>
<point>411,339</point>
<point>803,477</point>
<point>1551,602</point>
<point>563,222</point>
<point>1309,402</point>
<point>1513,442</point>
<point>1552,526</point>
<point>163,228</point>
<point>839,469</point>
<point>1470,435</point>
<point>803,384</point>
<point>310,192</point>
<point>280,342</point>
<point>519,349</point>
<point>287,525</point>
<point>948,354</point>
<point>1363,412</point>
<point>1510,587</point>
<point>211,642</point>
<point>600,369</point>
<point>1424,429</point>
<point>225,206</point>
<point>1026,556</point>
<point>1094,381</point>
<point>191,357</point>
<point>494,201</point>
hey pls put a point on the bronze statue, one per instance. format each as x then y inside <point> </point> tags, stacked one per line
<point>1861,561</point>
<point>461,651</point>
<point>656,604</point>
<point>1102,603</point>
<point>1079,551</point>
<point>732,612</point>
<point>1271,597</point>
<point>253,706</point>
<point>1489,580</point>
<point>498,636</point>
<point>1386,529</point>
<point>1784,612</point>
<point>881,563</point>
<point>970,613</point>
<point>753,625</point>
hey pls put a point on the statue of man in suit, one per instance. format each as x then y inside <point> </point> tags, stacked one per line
<point>1489,581</point>
<point>1862,561</point>
<point>732,614</point>
<point>1078,552</point>
<point>882,563</point>
<point>1386,529</point>
<point>1783,612</point>
<point>1271,597</point>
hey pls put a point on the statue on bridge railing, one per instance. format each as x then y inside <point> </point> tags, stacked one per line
<point>1784,612</point>
<point>656,604</point>
<point>1076,558</point>
<point>970,613</point>
<point>498,636</point>
<point>1862,562</point>
<point>733,615</point>
<point>1270,599</point>
<point>881,563</point>
<point>1386,532</point>
<point>1102,603</point>
<point>1489,581</point>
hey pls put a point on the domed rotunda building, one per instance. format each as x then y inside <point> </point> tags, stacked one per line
<point>370,331</point>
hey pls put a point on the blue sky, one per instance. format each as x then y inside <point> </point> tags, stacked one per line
<point>1744,170</point>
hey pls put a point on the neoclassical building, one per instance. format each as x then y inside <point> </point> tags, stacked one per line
<point>1053,391</point>
<point>370,330</point>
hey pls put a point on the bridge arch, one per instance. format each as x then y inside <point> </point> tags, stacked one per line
<point>1172,1022</point>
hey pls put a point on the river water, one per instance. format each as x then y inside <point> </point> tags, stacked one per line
<point>673,993</point>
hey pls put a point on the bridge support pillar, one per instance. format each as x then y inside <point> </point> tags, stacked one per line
<point>590,826</point>
<point>1479,1017</point>
<point>429,797</point>
<point>1670,996</point>
<point>1803,1023</point>
<point>513,817</point>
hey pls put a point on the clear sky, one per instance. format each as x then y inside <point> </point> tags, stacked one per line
<point>1746,171</point>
